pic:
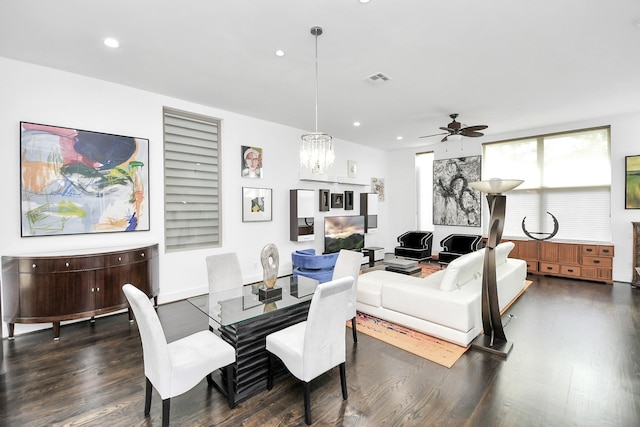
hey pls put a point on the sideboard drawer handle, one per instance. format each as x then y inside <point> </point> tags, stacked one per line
<point>570,270</point>
<point>596,261</point>
<point>33,265</point>
<point>66,264</point>
<point>589,250</point>
<point>142,254</point>
<point>119,258</point>
<point>606,251</point>
<point>549,268</point>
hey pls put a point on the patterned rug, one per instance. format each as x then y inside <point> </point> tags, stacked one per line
<point>428,269</point>
<point>434,349</point>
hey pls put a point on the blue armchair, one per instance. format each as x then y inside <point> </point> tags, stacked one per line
<point>319,267</point>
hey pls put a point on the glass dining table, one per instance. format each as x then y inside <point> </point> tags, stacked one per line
<point>244,316</point>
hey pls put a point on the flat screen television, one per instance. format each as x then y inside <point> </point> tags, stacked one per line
<point>343,232</point>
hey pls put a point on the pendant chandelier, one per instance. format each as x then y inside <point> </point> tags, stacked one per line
<point>316,150</point>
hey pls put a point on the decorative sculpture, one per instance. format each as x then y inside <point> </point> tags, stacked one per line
<point>549,235</point>
<point>493,338</point>
<point>270,262</point>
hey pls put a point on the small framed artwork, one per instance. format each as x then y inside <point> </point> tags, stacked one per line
<point>352,169</point>
<point>377,186</point>
<point>324,200</point>
<point>337,200</point>
<point>632,182</point>
<point>256,204</point>
<point>348,200</point>
<point>251,158</point>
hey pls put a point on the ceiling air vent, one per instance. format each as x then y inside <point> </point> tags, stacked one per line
<point>377,78</point>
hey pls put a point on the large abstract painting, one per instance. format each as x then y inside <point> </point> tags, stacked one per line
<point>632,182</point>
<point>75,181</point>
<point>454,202</point>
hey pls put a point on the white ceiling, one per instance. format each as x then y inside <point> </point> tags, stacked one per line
<point>508,64</point>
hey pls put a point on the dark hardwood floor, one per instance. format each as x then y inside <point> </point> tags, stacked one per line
<point>575,362</point>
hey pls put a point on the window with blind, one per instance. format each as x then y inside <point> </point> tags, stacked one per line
<point>566,174</point>
<point>424,190</point>
<point>191,181</point>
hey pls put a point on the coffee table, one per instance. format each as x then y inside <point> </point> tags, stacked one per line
<point>402,265</point>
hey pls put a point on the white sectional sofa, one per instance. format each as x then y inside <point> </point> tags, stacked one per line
<point>445,304</point>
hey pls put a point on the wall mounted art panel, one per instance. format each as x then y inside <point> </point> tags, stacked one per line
<point>632,182</point>
<point>75,181</point>
<point>454,202</point>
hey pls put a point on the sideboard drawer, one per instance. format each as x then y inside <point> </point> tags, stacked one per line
<point>549,268</point>
<point>603,262</point>
<point>570,270</point>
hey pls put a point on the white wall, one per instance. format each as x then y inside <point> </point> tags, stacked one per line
<point>625,141</point>
<point>47,96</point>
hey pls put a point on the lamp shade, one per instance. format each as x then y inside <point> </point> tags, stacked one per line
<point>496,185</point>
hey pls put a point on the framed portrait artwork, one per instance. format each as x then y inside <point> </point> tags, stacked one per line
<point>256,204</point>
<point>75,181</point>
<point>632,182</point>
<point>337,200</point>
<point>251,160</point>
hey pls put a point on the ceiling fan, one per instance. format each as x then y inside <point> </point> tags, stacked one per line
<point>455,128</point>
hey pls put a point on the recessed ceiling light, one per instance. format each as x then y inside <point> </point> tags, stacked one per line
<point>364,1</point>
<point>279,52</point>
<point>111,42</point>
<point>356,124</point>
<point>399,138</point>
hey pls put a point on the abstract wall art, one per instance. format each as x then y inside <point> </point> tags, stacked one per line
<point>632,182</point>
<point>256,204</point>
<point>76,181</point>
<point>454,202</point>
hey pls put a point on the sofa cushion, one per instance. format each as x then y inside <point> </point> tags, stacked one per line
<point>463,269</point>
<point>502,252</point>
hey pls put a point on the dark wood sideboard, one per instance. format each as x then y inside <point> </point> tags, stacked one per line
<point>59,286</point>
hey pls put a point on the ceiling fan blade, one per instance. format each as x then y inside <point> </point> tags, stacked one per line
<point>445,138</point>
<point>447,129</point>
<point>465,132</point>
<point>429,136</point>
<point>474,128</point>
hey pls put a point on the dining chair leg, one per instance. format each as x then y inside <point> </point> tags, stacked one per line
<point>353,330</point>
<point>166,406</point>
<point>307,402</point>
<point>147,398</point>
<point>269,371</point>
<point>230,394</point>
<point>343,380</point>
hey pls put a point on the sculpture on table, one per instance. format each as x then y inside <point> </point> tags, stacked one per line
<point>270,261</point>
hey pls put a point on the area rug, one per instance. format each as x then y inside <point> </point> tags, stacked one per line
<point>428,269</point>
<point>434,349</point>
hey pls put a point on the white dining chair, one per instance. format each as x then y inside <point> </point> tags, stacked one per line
<point>349,264</point>
<point>223,273</point>
<point>316,345</point>
<point>175,368</point>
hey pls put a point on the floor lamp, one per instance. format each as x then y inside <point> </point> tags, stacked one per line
<point>493,339</point>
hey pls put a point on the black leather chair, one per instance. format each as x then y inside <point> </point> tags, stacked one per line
<point>415,245</point>
<point>456,245</point>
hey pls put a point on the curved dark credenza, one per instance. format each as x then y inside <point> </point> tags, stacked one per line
<point>59,286</point>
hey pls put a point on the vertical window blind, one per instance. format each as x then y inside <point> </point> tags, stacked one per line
<point>191,181</point>
<point>424,190</point>
<point>566,174</point>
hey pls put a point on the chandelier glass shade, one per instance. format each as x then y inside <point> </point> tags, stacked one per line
<point>316,149</point>
<point>316,152</point>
